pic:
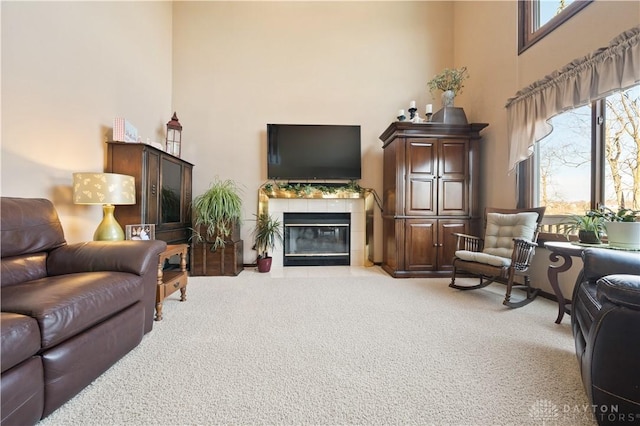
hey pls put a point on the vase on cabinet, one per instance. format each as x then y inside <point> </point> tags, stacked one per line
<point>448,97</point>
<point>449,114</point>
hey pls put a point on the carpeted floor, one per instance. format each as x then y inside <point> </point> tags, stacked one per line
<point>340,346</point>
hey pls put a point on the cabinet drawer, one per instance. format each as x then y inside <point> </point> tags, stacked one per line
<point>172,281</point>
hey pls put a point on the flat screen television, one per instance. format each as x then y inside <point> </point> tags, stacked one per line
<point>313,152</point>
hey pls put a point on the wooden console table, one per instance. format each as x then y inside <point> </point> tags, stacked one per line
<point>565,251</point>
<point>171,280</point>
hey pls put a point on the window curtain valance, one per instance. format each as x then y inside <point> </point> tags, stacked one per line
<point>616,67</point>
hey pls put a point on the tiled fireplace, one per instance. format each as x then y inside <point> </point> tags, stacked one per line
<point>354,214</point>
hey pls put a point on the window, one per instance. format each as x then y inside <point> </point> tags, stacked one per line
<point>590,158</point>
<point>537,18</point>
<point>563,164</point>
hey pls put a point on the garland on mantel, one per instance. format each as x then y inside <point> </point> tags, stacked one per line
<point>301,190</point>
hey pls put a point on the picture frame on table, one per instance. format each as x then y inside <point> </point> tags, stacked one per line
<point>140,231</point>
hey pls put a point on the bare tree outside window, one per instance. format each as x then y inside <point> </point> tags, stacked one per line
<point>622,149</point>
<point>564,159</point>
<point>564,164</point>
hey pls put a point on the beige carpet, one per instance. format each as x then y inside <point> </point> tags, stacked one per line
<point>340,346</point>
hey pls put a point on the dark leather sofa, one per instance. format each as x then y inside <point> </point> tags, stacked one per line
<point>69,311</point>
<point>606,327</point>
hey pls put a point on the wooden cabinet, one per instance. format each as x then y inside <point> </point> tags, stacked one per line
<point>163,189</point>
<point>430,190</point>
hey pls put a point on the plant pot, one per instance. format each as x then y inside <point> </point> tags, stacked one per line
<point>264,264</point>
<point>625,235</point>
<point>588,237</point>
<point>223,261</point>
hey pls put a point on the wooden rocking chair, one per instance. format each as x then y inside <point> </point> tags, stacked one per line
<point>505,251</point>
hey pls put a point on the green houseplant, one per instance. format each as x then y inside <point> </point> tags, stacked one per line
<point>267,233</point>
<point>217,213</point>
<point>621,215</point>
<point>588,227</point>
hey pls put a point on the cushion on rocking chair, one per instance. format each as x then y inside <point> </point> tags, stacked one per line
<point>480,257</point>
<point>500,231</point>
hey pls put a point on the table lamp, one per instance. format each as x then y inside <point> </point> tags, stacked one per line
<point>109,190</point>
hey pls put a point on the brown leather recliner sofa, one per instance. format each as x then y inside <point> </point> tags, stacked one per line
<point>69,311</point>
<point>605,319</point>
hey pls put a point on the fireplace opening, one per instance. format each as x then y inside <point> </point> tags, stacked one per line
<point>317,239</point>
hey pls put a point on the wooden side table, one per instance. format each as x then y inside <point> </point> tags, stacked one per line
<point>170,281</point>
<point>561,250</point>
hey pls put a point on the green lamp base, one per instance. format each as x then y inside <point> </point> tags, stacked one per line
<point>109,229</point>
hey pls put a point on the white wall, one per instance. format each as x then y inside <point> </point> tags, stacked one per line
<point>69,68</point>
<point>241,65</point>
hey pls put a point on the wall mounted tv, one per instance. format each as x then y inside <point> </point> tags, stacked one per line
<point>313,152</point>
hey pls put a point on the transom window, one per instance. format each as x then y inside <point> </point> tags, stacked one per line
<point>537,18</point>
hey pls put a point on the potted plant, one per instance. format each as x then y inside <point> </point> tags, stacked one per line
<point>217,213</point>
<point>588,227</point>
<point>450,82</point>
<point>622,226</point>
<point>266,234</point>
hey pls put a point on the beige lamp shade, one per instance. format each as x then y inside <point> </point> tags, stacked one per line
<point>109,190</point>
<point>103,188</point>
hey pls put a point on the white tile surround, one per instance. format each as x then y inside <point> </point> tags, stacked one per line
<point>355,206</point>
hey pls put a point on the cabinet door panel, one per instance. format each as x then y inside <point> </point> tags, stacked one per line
<point>447,242</point>
<point>421,191</point>
<point>453,178</point>
<point>452,197</point>
<point>421,196</point>
<point>421,157</point>
<point>453,157</point>
<point>420,247</point>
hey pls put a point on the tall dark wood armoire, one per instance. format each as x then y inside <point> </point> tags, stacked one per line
<point>430,190</point>
<point>163,189</point>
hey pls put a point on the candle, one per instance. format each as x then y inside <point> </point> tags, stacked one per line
<point>412,104</point>
<point>429,109</point>
<point>400,112</point>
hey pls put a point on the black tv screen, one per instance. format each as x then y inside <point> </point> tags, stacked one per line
<point>313,151</point>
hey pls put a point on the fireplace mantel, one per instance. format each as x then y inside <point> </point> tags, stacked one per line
<point>359,203</point>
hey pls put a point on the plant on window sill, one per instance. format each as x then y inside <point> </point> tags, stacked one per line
<point>588,227</point>
<point>609,215</point>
